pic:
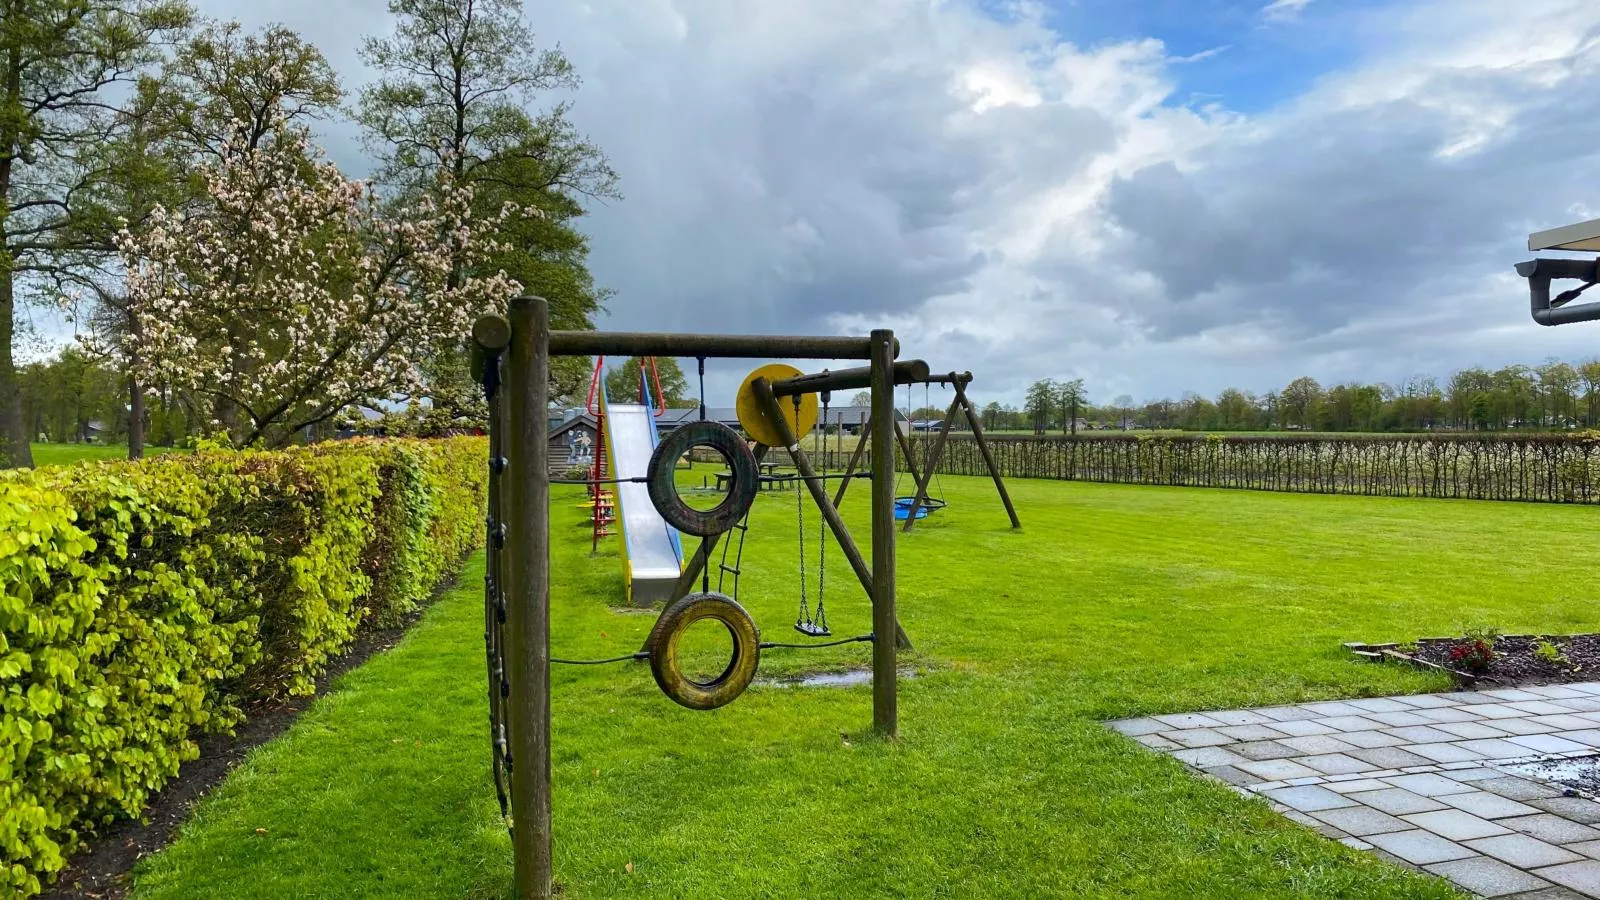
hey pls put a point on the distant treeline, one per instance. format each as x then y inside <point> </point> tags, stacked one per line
<point>1532,468</point>
<point>1552,396</point>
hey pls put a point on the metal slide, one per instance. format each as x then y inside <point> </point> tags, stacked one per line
<point>652,556</point>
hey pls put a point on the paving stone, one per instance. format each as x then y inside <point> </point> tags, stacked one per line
<point>1546,707</point>
<point>1361,821</point>
<point>1397,719</point>
<point>1522,851</point>
<point>1444,753</point>
<point>1136,727</point>
<point>1580,876</point>
<point>1239,717</point>
<point>1309,798</point>
<point>1575,808</point>
<point>1509,694</point>
<point>1356,786</point>
<point>1568,722</point>
<point>1555,691</point>
<point>1333,708</point>
<point>1487,877</point>
<point>1198,737</point>
<point>1546,743</point>
<point>1396,801</point>
<point>1473,773</point>
<point>1497,748</point>
<point>1590,849</point>
<point>1591,688</point>
<point>1449,714</point>
<point>1378,704</point>
<point>1455,824</point>
<point>1470,698</point>
<point>1428,785</point>
<point>1551,828</point>
<point>1472,731</point>
<point>1157,742</point>
<point>1286,713</point>
<point>1583,704</point>
<point>1499,711</point>
<point>1427,700</point>
<point>1491,806</point>
<point>1549,893</point>
<point>1230,775</point>
<point>1303,727</point>
<point>1188,720</point>
<point>1250,732</point>
<point>1522,726</point>
<point>1420,734</point>
<point>1518,788</point>
<point>1389,757</point>
<point>1369,739</point>
<point>1275,769</point>
<point>1263,750</point>
<point>1336,764</point>
<point>1420,847</point>
<point>1589,736</point>
<point>1355,843</point>
<point>1207,757</point>
<point>1316,743</point>
<point>1357,723</point>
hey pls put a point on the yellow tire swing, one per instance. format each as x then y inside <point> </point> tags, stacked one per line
<point>675,621</point>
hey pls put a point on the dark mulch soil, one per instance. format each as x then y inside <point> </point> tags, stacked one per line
<point>99,870</point>
<point>1515,663</point>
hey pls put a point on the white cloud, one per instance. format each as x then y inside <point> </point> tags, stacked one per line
<point>1280,10</point>
<point>1016,203</point>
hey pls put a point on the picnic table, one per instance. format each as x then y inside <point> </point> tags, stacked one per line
<point>770,479</point>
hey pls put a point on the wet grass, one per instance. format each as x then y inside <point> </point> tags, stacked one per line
<point>1112,601</point>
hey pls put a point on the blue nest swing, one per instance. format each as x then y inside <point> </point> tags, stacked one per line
<point>902,507</point>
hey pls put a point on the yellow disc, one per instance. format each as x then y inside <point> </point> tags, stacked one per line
<point>756,424</point>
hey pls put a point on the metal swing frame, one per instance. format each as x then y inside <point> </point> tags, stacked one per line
<point>517,349</point>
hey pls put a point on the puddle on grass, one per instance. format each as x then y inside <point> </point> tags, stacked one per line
<point>1580,773</point>
<point>848,678</point>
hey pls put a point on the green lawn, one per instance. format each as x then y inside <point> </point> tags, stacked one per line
<point>1114,601</point>
<point>71,454</point>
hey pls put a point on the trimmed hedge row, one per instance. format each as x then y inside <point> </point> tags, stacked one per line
<point>144,604</point>
<point>1528,468</point>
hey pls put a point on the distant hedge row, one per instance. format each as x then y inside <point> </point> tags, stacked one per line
<point>1544,468</point>
<point>144,604</point>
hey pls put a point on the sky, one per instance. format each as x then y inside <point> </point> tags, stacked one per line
<point>1155,196</point>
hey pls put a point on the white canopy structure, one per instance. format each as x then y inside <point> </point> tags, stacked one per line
<point>1580,237</point>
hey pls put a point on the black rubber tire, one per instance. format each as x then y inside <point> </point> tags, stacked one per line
<point>663,483</point>
<point>663,647</point>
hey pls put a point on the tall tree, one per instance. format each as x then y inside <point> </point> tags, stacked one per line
<point>1040,403</point>
<point>1071,397</point>
<point>295,293</point>
<point>457,78</point>
<point>622,382</point>
<point>62,66</point>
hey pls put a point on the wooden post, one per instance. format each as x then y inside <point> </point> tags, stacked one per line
<point>527,555</point>
<point>931,463</point>
<point>819,495</point>
<point>885,700</point>
<point>855,460</point>
<point>988,457</point>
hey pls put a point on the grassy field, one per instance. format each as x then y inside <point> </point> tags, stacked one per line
<point>1112,601</point>
<point>71,454</point>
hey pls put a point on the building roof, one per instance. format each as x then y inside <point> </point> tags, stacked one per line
<point>584,419</point>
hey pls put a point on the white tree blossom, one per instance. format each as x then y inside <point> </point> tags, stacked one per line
<point>295,292</point>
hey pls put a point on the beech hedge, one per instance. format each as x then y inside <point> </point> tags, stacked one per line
<point>145,604</point>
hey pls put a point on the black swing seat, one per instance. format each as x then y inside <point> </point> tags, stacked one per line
<point>812,629</point>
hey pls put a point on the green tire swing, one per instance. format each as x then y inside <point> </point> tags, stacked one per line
<point>668,632</point>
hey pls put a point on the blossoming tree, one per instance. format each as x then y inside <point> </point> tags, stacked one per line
<point>294,292</point>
